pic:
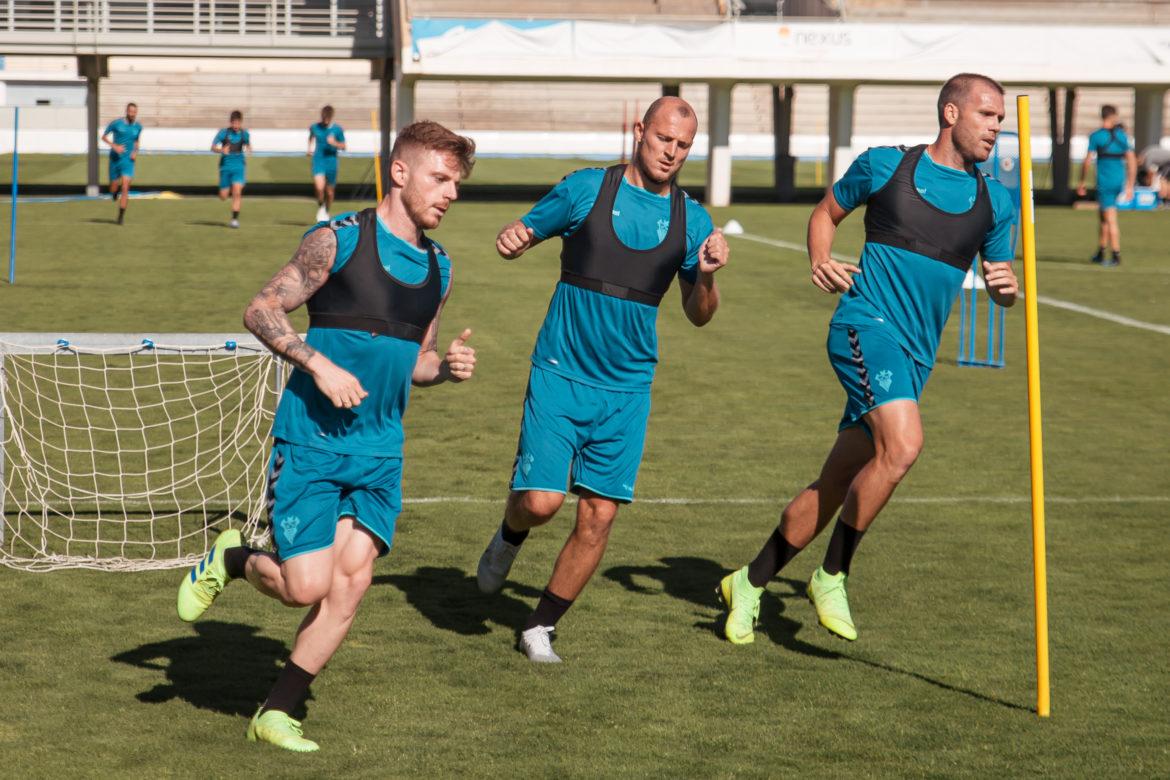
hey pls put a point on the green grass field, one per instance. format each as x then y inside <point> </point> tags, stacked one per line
<point>174,170</point>
<point>98,677</point>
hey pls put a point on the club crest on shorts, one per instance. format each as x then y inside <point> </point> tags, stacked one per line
<point>289,525</point>
<point>885,378</point>
<point>526,463</point>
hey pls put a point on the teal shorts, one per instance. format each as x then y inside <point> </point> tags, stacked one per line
<point>327,167</point>
<point>874,369</point>
<point>122,166</point>
<point>1108,195</point>
<point>230,176</point>
<point>309,490</point>
<point>581,437</point>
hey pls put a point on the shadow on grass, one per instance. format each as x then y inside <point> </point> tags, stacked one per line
<point>223,667</point>
<point>451,600</point>
<point>208,223</point>
<point>695,580</point>
<point>100,221</point>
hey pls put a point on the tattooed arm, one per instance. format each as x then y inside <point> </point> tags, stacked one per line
<point>456,366</point>
<point>267,317</point>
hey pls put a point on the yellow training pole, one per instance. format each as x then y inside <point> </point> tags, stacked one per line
<point>1035,441</point>
<point>377,155</point>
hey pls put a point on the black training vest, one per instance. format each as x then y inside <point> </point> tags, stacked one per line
<point>898,216</point>
<point>595,258</point>
<point>364,296</point>
<point>1104,155</point>
<point>235,147</point>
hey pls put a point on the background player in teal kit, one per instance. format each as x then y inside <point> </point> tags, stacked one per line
<point>626,233</point>
<point>123,136</point>
<point>374,285</point>
<point>232,143</point>
<point>928,213</point>
<point>326,139</point>
<point>1116,172</point>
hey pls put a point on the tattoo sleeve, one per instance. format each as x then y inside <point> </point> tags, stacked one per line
<point>267,314</point>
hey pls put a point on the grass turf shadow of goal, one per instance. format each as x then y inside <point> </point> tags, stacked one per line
<point>694,580</point>
<point>223,667</point>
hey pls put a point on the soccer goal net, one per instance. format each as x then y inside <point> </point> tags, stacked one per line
<point>123,451</point>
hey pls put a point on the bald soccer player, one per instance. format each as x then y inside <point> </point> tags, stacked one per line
<point>929,212</point>
<point>626,232</point>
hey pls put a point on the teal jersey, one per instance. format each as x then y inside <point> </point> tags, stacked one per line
<point>237,139</point>
<point>124,134</point>
<point>321,146</point>
<point>383,364</point>
<point>599,339</point>
<point>1110,146</point>
<point>911,293</point>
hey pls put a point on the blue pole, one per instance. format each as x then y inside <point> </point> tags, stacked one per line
<point>12,227</point>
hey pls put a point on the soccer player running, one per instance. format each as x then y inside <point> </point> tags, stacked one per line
<point>123,136</point>
<point>232,143</point>
<point>374,285</point>
<point>326,139</point>
<point>1116,172</point>
<point>626,232</point>
<point>928,213</point>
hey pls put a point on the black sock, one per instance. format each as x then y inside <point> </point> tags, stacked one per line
<point>235,559</point>
<point>549,610</point>
<point>121,215</point>
<point>235,215</point>
<point>774,556</point>
<point>842,545</point>
<point>514,538</point>
<point>292,685</point>
<point>1117,256</point>
<point>321,204</point>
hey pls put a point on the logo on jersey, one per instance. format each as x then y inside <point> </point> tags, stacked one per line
<point>663,229</point>
<point>290,525</point>
<point>885,378</point>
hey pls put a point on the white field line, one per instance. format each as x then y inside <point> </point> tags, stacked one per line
<point>751,501</point>
<point>1100,314</point>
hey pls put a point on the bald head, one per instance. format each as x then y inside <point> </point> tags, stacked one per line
<point>666,106</point>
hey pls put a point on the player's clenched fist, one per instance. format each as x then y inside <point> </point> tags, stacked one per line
<point>1001,282</point>
<point>460,358</point>
<point>338,385</point>
<point>833,276</point>
<point>514,240</point>
<point>714,252</point>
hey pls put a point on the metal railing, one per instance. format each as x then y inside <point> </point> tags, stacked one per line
<point>261,18</point>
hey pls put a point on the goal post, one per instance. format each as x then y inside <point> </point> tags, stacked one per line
<point>131,451</point>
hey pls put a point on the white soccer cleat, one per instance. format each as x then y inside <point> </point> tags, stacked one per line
<point>495,563</point>
<point>235,223</point>
<point>322,214</point>
<point>536,643</point>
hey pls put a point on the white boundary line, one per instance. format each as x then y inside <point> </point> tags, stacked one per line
<point>745,501</point>
<point>1100,314</point>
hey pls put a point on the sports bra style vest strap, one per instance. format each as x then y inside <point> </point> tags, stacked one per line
<point>595,258</point>
<point>1113,139</point>
<point>237,146</point>
<point>897,215</point>
<point>364,296</point>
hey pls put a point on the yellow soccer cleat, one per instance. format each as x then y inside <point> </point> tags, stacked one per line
<point>827,593</point>
<point>277,728</point>
<point>207,579</point>
<point>743,603</point>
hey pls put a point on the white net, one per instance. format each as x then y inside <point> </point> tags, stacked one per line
<point>131,456</point>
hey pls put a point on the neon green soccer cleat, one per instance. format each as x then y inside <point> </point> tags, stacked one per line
<point>743,604</point>
<point>827,593</point>
<point>206,580</point>
<point>279,729</point>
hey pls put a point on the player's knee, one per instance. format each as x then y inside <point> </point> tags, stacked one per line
<point>305,591</point>
<point>540,505</point>
<point>593,528</point>
<point>899,455</point>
